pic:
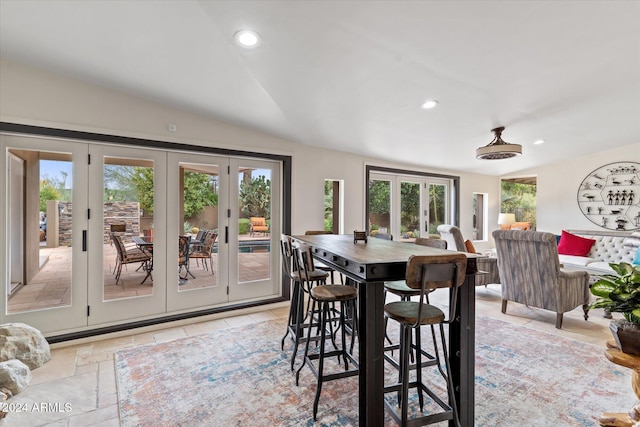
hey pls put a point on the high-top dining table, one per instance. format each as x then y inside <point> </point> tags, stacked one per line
<point>370,265</point>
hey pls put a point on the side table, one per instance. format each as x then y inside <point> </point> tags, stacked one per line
<point>621,419</point>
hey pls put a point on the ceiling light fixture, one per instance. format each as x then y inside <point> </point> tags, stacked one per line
<point>498,149</point>
<point>538,142</point>
<point>247,38</point>
<point>429,104</point>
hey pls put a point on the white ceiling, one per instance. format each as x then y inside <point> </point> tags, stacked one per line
<point>351,75</point>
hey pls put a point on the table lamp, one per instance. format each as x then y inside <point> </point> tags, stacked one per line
<point>506,218</point>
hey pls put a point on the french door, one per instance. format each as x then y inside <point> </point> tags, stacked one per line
<point>242,265</point>
<point>126,186</point>
<point>91,232</point>
<point>43,256</point>
<point>407,206</point>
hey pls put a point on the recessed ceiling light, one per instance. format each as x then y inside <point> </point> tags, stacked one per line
<point>429,104</point>
<point>247,38</point>
<point>538,142</point>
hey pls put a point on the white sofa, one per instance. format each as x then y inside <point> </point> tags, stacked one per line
<point>610,247</point>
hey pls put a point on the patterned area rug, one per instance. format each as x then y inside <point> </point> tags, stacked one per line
<point>240,376</point>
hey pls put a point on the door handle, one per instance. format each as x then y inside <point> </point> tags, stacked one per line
<point>226,234</point>
<point>84,240</point>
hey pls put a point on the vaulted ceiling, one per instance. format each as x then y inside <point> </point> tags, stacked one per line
<point>351,75</point>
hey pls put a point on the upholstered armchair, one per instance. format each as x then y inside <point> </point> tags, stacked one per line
<point>530,274</point>
<point>455,242</point>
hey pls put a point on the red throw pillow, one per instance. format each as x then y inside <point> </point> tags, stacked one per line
<point>570,244</point>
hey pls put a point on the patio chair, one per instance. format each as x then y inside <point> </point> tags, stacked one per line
<point>128,256</point>
<point>184,245</point>
<point>204,251</point>
<point>258,224</point>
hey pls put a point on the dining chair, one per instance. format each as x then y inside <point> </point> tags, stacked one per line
<point>127,256</point>
<point>204,251</point>
<point>184,243</point>
<point>425,273</point>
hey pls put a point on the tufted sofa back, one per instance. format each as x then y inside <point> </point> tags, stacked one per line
<point>609,245</point>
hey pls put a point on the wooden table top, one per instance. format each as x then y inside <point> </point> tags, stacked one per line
<point>378,259</point>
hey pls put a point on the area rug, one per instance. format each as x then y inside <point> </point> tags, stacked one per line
<point>240,376</point>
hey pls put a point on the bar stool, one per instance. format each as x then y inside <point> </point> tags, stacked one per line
<point>426,273</point>
<point>298,316</point>
<point>324,299</point>
<point>405,293</point>
<point>318,265</point>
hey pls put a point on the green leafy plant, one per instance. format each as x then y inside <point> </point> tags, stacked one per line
<point>255,196</point>
<point>620,292</point>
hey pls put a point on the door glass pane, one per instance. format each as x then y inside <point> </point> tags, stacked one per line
<point>254,256</point>
<point>39,230</point>
<point>379,206</point>
<point>437,206</point>
<point>199,195</point>
<point>409,211</point>
<point>128,227</point>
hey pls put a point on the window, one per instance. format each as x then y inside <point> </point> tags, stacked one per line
<point>480,206</point>
<point>518,196</point>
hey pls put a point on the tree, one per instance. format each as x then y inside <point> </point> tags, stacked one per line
<point>142,180</point>
<point>255,196</point>
<point>379,196</point>
<point>47,192</point>
<point>328,205</point>
<point>198,193</point>
<point>118,183</point>
<point>519,199</point>
<point>410,205</point>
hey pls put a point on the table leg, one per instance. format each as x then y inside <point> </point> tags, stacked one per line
<point>462,351</point>
<point>371,339</point>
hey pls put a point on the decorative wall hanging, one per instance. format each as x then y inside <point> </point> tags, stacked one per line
<point>610,196</point>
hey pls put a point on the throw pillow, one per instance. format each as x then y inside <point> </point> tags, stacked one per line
<point>570,244</point>
<point>470,247</point>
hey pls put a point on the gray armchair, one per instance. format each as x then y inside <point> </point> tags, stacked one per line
<point>455,242</point>
<point>530,274</point>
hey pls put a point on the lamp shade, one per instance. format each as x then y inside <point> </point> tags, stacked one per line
<point>506,218</point>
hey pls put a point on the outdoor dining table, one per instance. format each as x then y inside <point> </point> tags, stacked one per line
<point>146,244</point>
<point>370,264</point>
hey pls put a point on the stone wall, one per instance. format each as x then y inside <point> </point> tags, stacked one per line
<point>127,213</point>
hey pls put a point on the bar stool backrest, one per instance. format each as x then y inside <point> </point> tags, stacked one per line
<point>287,253</point>
<point>434,243</point>
<point>430,272</point>
<point>302,260</point>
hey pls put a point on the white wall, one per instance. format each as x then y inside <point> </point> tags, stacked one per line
<point>34,97</point>
<point>558,186</point>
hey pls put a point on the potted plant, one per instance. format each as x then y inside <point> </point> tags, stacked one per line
<point>620,293</point>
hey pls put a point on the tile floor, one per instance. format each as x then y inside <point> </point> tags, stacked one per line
<point>82,373</point>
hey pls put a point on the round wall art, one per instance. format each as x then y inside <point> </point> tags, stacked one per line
<point>610,196</point>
